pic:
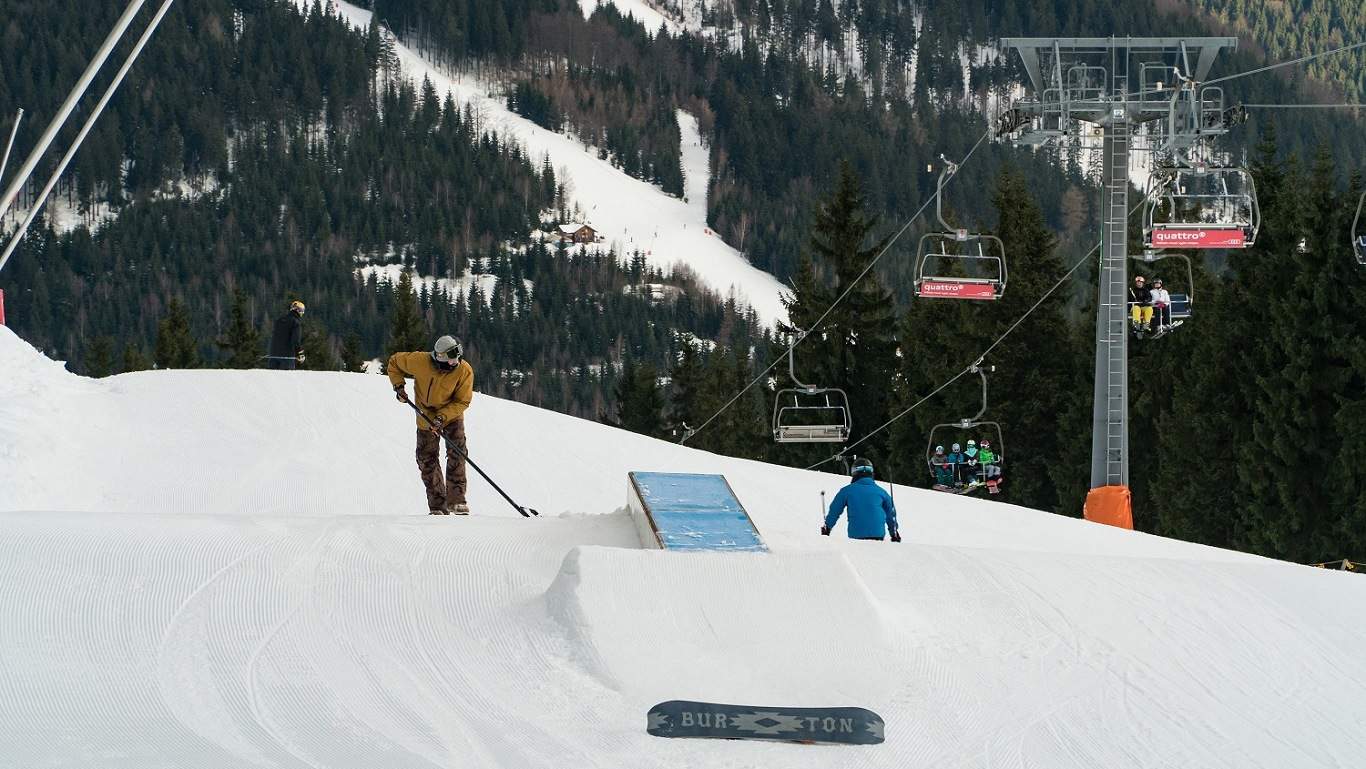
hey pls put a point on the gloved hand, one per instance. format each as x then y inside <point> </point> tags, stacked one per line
<point>825,531</point>
<point>401,393</point>
<point>896,536</point>
<point>438,424</point>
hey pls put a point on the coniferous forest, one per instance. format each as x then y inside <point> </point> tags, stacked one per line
<point>258,154</point>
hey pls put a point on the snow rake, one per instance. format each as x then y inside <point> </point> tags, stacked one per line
<point>526,512</point>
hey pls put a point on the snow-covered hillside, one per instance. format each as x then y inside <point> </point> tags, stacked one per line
<point>232,569</point>
<point>628,213</point>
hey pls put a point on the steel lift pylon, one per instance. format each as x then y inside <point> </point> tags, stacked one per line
<point>1077,81</point>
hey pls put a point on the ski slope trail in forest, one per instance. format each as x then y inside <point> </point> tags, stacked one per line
<point>630,214</point>
<point>234,569</point>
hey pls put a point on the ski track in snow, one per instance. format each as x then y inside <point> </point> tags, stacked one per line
<point>213,568</point>
<point>628,213</point>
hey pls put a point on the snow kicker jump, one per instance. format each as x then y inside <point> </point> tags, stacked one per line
<point>689,511</point>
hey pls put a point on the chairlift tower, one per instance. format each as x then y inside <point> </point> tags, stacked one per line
<point>1079,82</point>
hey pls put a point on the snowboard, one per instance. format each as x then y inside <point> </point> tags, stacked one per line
<point>968,489</point>
<point>684,718</point>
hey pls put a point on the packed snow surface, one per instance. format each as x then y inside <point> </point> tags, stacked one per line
<point>235,569</point>
<point>629,214</point>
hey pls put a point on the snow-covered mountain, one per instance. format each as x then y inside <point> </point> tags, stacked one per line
<point>231,569</point>
<point>629,214</point>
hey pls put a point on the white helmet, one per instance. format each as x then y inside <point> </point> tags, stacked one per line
<point>447,351</point>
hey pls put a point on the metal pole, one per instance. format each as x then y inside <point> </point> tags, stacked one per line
<point>8,147</point>
<point>64,112</point>
<point>85,131</point>
<point>1110,413</point>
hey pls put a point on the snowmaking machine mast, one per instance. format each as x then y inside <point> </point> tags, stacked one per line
<point>1114,84</point>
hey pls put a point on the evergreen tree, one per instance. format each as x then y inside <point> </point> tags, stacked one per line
<point>854,348</point>
<point>351,357</point>
<point>176,343</point>
<point>686,391</point>
<point>99,358</point>
<point>407,328</point>
<point>134,359</point>
<point>318,354</point>
<point>640,400</point>
<point>242,342</point>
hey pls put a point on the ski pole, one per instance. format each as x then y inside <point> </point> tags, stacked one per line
<point>526,512</point>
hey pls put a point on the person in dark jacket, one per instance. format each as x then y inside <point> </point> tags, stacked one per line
<point>1141,302</point>
<point>287,339</point>
<point>871,512</point>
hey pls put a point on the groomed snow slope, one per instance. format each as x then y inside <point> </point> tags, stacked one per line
<point>628,213</point>
<point>232,569</point>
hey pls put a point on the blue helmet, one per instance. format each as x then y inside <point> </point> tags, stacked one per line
<point>862,469</point>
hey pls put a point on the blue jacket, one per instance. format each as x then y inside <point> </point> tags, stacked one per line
<point>871,512</point>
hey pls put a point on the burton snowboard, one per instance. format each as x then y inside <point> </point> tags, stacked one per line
<point>683,718</point>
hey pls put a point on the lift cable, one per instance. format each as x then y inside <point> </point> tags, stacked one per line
<point>1304,106</point>
<point>976,361</point>
<point>1291,62</point>
<point>1259,70</point>
<point>848,289</point>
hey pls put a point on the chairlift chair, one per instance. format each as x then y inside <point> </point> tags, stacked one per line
<point>1182,306</point>
<point>807,413</point>
<point>1200,206</point>
<point>981,476</point>
<point>956,263</point>
<point>1359,232</point>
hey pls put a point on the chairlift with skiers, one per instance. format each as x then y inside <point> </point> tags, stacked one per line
<point>1359,232</point>
<point>807,413</point>
<point>1179,309</point>
<point>975,459</point>
<point>956,263</point>
<point>1197,205</point>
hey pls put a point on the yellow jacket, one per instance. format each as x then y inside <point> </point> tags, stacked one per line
<point>437,391</point>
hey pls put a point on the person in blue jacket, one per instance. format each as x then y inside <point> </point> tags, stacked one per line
<point>871,512</point>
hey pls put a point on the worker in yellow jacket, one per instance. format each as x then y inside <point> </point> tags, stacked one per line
<point>443,385</point>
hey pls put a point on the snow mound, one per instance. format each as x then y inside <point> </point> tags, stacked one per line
<point>728,614</point>
<point>235,569</point>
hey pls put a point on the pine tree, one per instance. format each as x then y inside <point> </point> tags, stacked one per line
<point>686,391</point>
<point>640,400</point>
<point>854,349</point>
<point>242,343</point>
<point>318,354</point>
<point>407,328</point>
<point>99,357</point>
<point>133,359</point>
<point>351,357</point>
<point>176,343</point>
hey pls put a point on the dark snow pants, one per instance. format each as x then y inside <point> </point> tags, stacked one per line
<point>443,493</point>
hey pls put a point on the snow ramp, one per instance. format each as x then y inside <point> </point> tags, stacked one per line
<point>690,511</point>
<point>724,627</point>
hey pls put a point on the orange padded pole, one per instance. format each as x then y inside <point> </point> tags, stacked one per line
<point>1110,505</point>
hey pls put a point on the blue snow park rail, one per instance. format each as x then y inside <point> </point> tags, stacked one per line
<point>691,511</point>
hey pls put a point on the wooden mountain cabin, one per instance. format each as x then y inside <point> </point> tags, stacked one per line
<point>577,233</point>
